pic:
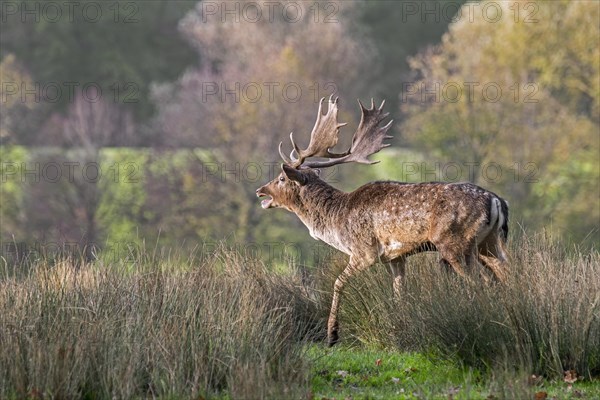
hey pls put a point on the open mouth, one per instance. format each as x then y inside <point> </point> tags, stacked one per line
<point>266,203</point>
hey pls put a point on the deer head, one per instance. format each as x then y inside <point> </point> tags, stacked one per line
<point>284,190</point>
<point>299,169</point>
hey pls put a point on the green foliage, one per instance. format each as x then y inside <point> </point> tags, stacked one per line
<point>121,209</point>
<point>396,164</point>
<point>11,192</point>
<point>165,197</point>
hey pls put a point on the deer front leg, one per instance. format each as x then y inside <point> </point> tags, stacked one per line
<point>353,267</point>
<point>332,322</point>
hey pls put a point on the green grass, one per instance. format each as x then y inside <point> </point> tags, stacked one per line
<point>381,374</point>
<point>364,373</point>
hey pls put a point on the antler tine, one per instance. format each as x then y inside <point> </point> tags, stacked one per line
<point>291,160</point>
<point>283,156</point>
<point>383,145</point>
<point>295,148</point>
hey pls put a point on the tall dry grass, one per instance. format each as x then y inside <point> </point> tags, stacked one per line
<point>544,320</point>
<point>223,326</point>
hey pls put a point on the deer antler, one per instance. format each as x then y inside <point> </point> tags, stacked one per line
<point>368,138</point>
<point>323,136</point>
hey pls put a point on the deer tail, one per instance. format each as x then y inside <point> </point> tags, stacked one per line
<point>501,210</point>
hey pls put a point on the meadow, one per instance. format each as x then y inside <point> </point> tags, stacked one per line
<point>228,326</point>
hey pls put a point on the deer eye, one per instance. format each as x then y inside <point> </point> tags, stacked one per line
<point>281,179</point>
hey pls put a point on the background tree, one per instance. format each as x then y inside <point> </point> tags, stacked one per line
<point>399,30</point>
<point>538,117</point>
<point>129,45</point>
<point>14,108</point>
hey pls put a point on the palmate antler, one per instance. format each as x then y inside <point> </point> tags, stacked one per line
<point>323,136</point>
<point>368,138</point>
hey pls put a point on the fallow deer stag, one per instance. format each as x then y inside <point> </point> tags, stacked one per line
<point>385,221</point>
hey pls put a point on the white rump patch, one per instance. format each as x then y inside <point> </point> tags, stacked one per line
<point>496,220</point>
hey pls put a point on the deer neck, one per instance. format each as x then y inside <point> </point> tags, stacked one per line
<point>319,205</point>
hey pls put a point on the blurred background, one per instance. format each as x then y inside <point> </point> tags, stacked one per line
<point>136,123</point>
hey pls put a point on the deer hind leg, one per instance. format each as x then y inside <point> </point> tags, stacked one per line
<point>353,267</point>
<point>493,256</point>
<point>460,260</point>
<point>473,263</point>
<point>457,253</point>
<point>398,269</point>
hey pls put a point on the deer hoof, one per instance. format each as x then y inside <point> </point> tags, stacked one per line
<point>332,339</point>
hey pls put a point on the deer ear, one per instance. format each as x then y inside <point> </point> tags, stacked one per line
<point>293,174</point>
